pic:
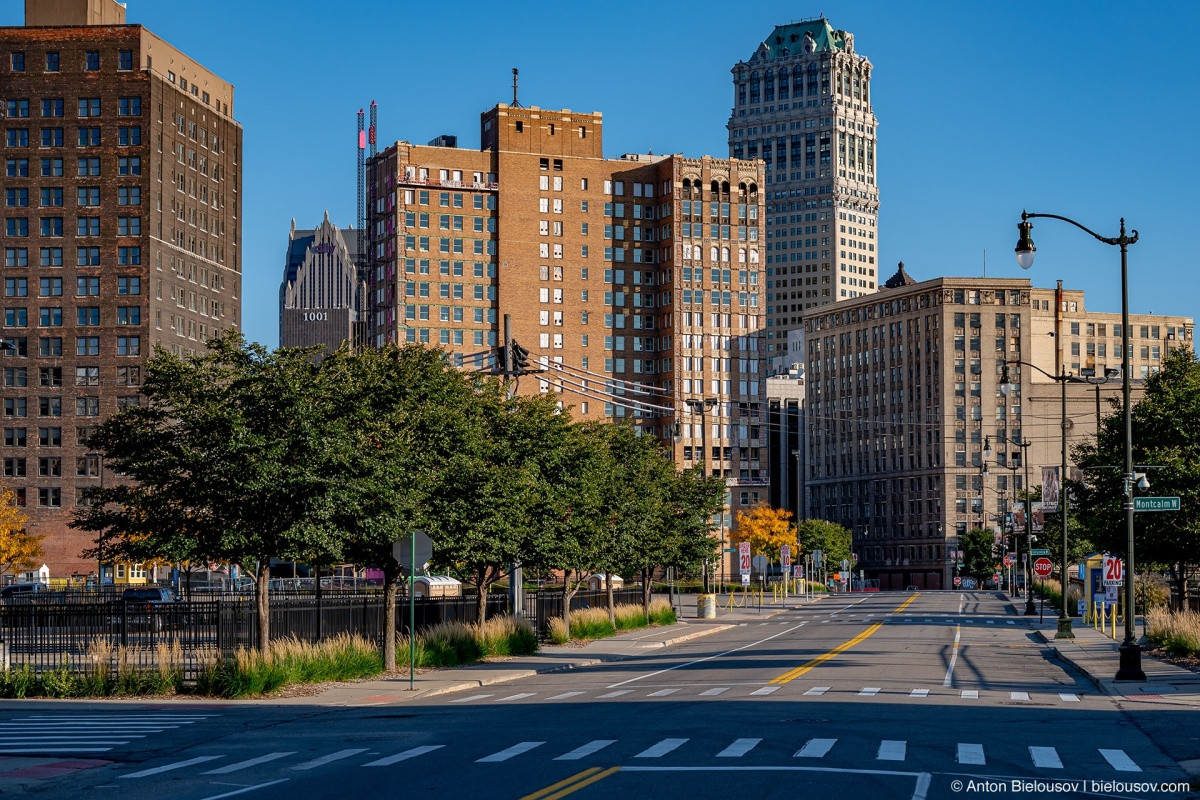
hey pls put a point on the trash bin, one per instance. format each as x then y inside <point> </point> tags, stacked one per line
<point>706,606</point>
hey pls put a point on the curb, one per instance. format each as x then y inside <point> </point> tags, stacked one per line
<point>1063,657</point>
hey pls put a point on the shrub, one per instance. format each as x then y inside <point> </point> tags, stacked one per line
<point>1178,633</point>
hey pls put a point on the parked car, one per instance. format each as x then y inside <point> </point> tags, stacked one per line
<point>144,605</point>
<point>19,591</point>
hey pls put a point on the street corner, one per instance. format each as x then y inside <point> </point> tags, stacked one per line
<point>16,769</point>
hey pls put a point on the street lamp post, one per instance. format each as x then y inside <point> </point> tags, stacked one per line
<point>701,407</point>
<point>1130,658</point>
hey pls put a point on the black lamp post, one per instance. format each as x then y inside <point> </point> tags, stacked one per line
<point>1130,667</point>
<point>701,407</point>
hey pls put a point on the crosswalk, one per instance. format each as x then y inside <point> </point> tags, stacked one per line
<point>793,692</point>
<point>682,751</point>
<point>898,619</point>
<point>80,734</point>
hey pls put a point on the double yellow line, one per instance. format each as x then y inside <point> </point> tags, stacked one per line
<point>571,784</point>
<point>796,672</point>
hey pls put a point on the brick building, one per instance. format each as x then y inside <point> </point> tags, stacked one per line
<point>635,282</point>
<point>122,186</point>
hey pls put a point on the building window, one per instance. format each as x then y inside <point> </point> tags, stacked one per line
<point>129,345</point>
<point>89,106</point>
<point>125,59</point>
<point>87,406</point>
<point>129,107</point>
<point>17,62</point>
<point>52,61</point>
<point>91,60</point>
<point>50,497</point>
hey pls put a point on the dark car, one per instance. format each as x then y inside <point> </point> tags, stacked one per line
<point>22,591</point>
<point>149,605</point>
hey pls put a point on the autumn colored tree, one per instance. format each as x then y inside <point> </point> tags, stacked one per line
<point>766,529</point>
<point>18,549</point>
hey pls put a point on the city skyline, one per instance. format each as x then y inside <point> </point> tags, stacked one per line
<point>1054,118</point>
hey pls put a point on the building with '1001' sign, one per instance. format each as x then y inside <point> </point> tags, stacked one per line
<point>322,298</point>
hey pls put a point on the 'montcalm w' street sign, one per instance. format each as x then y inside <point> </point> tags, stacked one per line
<point>1156,504</point>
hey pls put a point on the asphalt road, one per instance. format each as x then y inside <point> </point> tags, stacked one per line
<point>875,696</point>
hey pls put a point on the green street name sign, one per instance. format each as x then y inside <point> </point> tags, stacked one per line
<point>1040,552</point>
<point>1156,504</point>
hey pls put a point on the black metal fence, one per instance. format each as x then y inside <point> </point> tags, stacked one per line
<point>76,630</point>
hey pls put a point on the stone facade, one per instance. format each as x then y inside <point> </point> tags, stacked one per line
<point>902,389</point>
<point>122,162</point>
<point>636,283</point>
<point>802,102</point>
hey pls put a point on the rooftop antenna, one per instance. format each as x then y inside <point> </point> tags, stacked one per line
<point>985,262</point>
<point>516,103</point>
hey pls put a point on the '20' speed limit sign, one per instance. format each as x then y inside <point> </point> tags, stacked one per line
<point>1112,571</point>
<point>744,557</point>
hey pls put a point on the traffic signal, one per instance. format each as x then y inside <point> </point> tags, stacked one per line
<point>520,359</point>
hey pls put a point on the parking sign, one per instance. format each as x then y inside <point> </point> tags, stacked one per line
<point>785,555</point>
<point>744,557</point>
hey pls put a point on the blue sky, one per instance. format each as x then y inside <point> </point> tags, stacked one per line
<point>1085,109</point>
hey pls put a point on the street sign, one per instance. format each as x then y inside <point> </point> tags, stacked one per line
<point>744,561</point>
<point>402,550</point>
<point>1156,504</point>
<point>1009,559</point>
<point>817,557</point>
<point>957,581</point>
<point>1112,571</point>
<point>1043,567</point>
<point>1110,593</point>
<point>1038,551</point>
<point>785,556</point>
<point>745,579</point>
<point>797,571</point>
<point>845,563</point>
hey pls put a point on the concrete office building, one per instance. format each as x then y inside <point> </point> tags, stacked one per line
<point>322,299</point>
<point>903,394</point>
<point>634,282</point>
<point>122,187</point>
<point>802,103</point>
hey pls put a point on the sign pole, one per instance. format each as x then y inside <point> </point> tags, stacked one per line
<point>412,612</point>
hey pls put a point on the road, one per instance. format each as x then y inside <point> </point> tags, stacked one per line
<point>878,696</point>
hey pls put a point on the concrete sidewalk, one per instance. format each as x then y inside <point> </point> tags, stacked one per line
<point>550,658</point>
<point>1095,654</point>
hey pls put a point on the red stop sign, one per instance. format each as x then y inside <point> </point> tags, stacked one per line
<point>1043,567</point>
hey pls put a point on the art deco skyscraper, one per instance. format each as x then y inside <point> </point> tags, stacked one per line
<point>802,103</point>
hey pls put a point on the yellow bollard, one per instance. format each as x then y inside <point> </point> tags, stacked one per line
<point>1114,623</point>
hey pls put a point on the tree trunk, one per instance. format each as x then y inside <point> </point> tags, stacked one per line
<point>262,599</point>
<point>612,606</point>
<point>481,602</point>
<point>391,591</point>
<point>567,595</point>
<point>647,573</point>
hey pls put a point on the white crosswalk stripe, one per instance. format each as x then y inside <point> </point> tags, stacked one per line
<point>617,693</point>
<point>663,692</point>
<point>586,750</point>
<point>329,759</point>
<point>1069,698</point>
<point>1045,757</point>
<point>815,748</point>
<point>869,691</point>
<point>970,694</point>
<point>518,696</point>
<point>145,773</point>
<point>254,762</point>
<point>1018,696</point>
<point>472,698</point>
<point>817,691</point>
<point>1120,761</point>
<point>970,754</point>
<point>404,756</point>
<point>564,695</point>
<point>714,692</point>
<point>506,754</point>
<point>739,748</point>
<point>661,749</point>
<point>891,750</point>
<point>60,734</point>
<point>766,690</point>
<point>919,693</point>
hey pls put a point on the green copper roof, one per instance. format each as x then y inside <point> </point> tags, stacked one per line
<point>789,39</point>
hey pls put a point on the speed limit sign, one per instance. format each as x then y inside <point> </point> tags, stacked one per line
<point>1112,571</point>
<point>744,557</point>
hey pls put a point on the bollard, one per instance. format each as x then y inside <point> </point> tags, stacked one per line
<point>706,606</point>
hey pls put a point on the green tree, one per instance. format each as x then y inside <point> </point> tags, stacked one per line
<point>831,539</point>
<point>1166,432</point>
<point>979,558</point>
<point>227,460</point>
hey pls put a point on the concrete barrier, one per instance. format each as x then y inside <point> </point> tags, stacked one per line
<point>706,606</point>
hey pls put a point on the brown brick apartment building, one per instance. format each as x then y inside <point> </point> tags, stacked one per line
<point>636,282</point>
<point>122,186</point>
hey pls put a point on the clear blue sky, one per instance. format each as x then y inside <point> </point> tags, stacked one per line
<point>1085,109</point>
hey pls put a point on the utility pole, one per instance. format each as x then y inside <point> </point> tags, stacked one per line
<point>516,576</point>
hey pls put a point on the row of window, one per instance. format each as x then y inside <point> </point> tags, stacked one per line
<point>84,256</point>
<point>53,107</point>
<point>86,136</point>
<point>84,376</point>
<point>87,196</point>
<point>52,346</point>
<point>52,61</point>
<point>87,316</point>
<point>16,407</point>
<point>85,167</point>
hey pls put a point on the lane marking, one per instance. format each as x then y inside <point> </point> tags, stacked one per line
<point>404,756</point>
<point>662,692</point>
<point>660,749</point>
<point>817,691</point>
<point>706,658</point>
<point>247,764</point>
<point>739,748</point>
<point>1068,697</point>
<point>891,750</point>
<point>919,693</point>
<point>1018,695</point>
<point>504,755</point>
<point>323,760</point>
<point>796,672</point>
<point>28,750</point>
<point>586,750</point>
<point>246,789</point>
<point>970,694</point>
<point>564,695</point>
<point>766,690</point>
<point>949,679</point>
<point>1120,761</point>
<point>1046,757</point>
<point>714,692</point>
<point>520,696</point>
<point>572,784</point>
<point>617,693</point>
<point>869,691</point>
<point>815,748</point>
<point>971,754</point>
<point>168,767</point>
<point>471,698</point>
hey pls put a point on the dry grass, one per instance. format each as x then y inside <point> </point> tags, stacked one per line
<point>1176,632</point>
<point>593,623</point>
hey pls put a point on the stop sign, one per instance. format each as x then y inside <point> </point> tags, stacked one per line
<point>1043,567</point>
<point>1009,560</point>
<point>957,581</point>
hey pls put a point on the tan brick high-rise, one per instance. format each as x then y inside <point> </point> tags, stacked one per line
<point>635,282</point>
<point>122,188</point>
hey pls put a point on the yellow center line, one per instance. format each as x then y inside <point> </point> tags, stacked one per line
<point>796,672</point>
<point>571,784</point>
